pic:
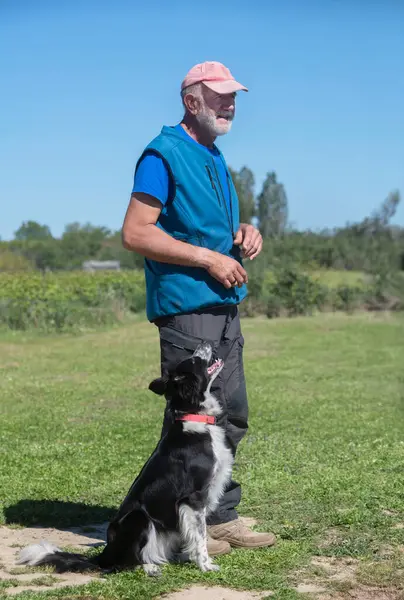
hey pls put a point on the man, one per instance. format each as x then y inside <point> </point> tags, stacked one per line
<point>183,217</point>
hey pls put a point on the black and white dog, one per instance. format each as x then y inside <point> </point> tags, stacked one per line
<point>163,516</point>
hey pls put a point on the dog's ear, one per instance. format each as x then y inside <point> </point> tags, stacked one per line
<point>159,385</point>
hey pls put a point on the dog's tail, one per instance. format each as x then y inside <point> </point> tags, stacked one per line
<point>45,553</point>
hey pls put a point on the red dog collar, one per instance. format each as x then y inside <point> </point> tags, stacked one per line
<point>198,419</point>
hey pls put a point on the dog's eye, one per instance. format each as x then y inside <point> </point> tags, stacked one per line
<point>179,378</point>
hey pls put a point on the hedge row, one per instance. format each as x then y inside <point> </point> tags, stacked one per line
<point>65,300</point>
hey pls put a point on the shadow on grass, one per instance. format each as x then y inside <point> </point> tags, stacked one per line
<point>56,513</point>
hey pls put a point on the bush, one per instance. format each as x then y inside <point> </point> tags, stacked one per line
<point>348,298</point>
<point>59,301</point>
<point>296,292</point>
<point>274,306</point>
<point>12,262</point>
<point>386,293</point>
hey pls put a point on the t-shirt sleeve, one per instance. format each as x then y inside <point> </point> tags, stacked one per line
<point>152,178</point>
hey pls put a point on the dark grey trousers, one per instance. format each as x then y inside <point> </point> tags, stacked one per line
<point>179,336</point>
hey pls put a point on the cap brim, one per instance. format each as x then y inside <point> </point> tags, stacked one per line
<point>225,87</point>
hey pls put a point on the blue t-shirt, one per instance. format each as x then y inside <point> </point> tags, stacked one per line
<point>152,176</point>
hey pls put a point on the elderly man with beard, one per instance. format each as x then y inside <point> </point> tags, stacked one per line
<point>183,217</point>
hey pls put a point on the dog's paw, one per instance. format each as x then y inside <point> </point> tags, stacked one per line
<point>152,570</point>
<point>209,566</point>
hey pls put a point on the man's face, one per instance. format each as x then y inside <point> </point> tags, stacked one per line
<point>216,112</point>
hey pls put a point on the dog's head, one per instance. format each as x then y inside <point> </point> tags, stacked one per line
<point>187,385</point>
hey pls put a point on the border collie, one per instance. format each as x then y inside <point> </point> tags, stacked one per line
<point>163,517</point>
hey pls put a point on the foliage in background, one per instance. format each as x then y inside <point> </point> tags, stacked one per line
<point>244,182</point>
<point>295,274</point>
<point>77,299</point>
<point>59,301</point>
<point>373,245</point>
<point>272,204</point>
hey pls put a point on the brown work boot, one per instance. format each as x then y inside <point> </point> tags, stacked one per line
<point>216,547</point>
<point>238,535</point>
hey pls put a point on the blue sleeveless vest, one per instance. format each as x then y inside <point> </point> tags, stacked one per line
<point>196,213</point>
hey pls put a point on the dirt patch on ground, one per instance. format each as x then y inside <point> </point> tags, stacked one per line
<point>365,593</point>
<point>13,539</point>
<point>331,537</point>
<point>336,569</point>
<point>332,578</point>
<point>323,573</point>
<point>215,593</point>
<point>310,588</point>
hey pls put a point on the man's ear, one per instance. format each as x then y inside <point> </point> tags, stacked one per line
<point>159,385</point>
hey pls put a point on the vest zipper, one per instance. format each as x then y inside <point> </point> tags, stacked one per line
<point>224,199</point>
<point>213,184</point>
<point>230,202</point>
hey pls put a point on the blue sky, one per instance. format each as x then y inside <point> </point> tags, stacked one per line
<point>86,85</point>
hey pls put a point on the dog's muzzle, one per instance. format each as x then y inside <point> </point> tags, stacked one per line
<point>204,351</point>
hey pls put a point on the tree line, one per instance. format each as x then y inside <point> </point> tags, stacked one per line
<point>372,245</point>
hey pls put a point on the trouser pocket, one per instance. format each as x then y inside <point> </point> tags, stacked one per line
<point>176,345</point>
<point>234,384</point>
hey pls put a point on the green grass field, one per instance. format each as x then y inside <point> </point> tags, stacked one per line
<point>332,278</point>
<point>321,466</point>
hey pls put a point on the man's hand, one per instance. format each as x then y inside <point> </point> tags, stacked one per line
<point>226,270</point>
<point>250,240</point>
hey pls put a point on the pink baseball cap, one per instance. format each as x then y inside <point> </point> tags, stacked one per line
<point>215,76</point>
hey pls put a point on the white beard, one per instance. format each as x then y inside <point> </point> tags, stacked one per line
<point>208,120</point>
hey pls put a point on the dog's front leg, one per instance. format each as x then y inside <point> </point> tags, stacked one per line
<point>193,533</point>
<point>205,562</point>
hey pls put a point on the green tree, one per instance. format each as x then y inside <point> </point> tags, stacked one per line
<point>112,249</point>
<point>388,209</point>
<point>244,183</point>
<point>382,250</point>
<point>31,230</point>
<point>82,242</point>
<point>272,207</point>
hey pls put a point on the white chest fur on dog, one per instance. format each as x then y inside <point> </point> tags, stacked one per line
<point>223,466</point>
<point>223,456</point>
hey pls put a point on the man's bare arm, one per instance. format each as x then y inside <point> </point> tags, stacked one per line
<point>140,234</point>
